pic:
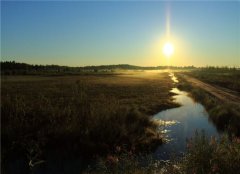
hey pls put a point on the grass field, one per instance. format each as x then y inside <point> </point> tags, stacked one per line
<point>223,77</point>
<point>101,123</point>
<point>69,117</point>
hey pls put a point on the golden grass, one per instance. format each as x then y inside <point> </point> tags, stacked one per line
<point>76,116</point>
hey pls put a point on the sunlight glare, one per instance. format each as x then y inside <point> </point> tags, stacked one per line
<point>168,49</point>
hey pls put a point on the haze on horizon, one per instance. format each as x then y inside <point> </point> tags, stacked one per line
<point>94,33</point>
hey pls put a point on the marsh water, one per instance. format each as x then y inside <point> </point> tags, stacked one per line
<point>181,123</point>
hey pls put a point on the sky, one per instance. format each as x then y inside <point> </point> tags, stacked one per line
<point>80,33</point>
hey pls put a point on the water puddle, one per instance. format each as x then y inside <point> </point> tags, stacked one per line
<point>180,123</point>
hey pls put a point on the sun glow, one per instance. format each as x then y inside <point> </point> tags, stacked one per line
<point>168,49</point>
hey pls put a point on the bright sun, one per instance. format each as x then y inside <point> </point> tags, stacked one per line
<point>168,49</point>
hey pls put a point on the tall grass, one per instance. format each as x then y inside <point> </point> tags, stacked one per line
<point>69,127</point>
<point>203,155</point>
<point>214,156</point>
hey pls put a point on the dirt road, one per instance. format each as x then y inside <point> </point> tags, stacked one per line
<point>224,95</point>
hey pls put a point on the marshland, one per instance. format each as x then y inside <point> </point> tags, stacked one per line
<point>98,122</point>
<point>120,87</point>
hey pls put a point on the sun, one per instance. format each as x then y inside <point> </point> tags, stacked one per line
<point>168,49</point>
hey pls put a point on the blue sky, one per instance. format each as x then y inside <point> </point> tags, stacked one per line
<point>93,33</point>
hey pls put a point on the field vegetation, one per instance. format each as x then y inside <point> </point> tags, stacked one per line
<point>220,76</point>
<point>100,122</point>
<point>204,155</point>
<point>53,119</point>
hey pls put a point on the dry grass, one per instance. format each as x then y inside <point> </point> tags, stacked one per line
<point>227,78</point>
<point>147,92</point>
<point>71,117</point>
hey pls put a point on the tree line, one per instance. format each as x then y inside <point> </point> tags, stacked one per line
<point>16,68</point>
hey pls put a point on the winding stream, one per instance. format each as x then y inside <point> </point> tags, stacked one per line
<point>180,123</point>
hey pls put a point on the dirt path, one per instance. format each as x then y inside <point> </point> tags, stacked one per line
<point>218,92</point>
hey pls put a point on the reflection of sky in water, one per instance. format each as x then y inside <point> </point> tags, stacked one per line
<point>174,78</point>
<point>181,123</point>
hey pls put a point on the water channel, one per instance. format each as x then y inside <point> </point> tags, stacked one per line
<point>181,123</point>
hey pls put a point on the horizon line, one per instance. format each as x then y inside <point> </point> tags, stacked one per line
<point>123,64</point>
